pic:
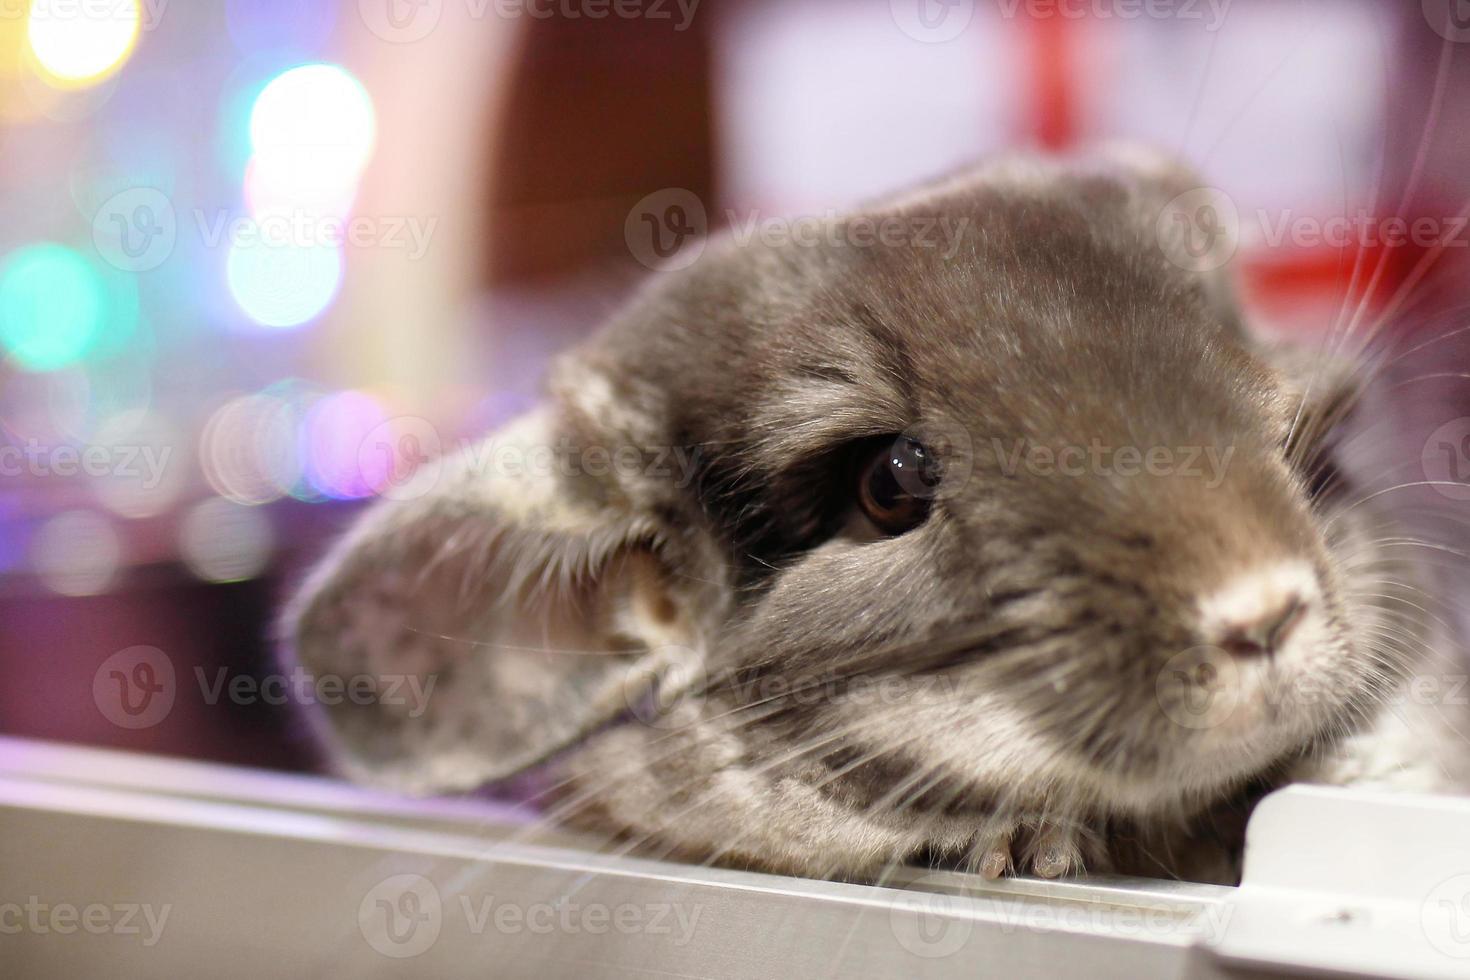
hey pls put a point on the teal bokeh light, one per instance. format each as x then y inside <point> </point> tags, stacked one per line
<point>53,306</point>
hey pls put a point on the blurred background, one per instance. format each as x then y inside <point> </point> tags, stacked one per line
<point>259,257</point>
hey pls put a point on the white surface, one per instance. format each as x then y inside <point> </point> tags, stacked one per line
<point>237,873</point>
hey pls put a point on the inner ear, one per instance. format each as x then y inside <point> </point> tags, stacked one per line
<point>1320,390</point>
<point>1319,394</point>
<point>495,619</point>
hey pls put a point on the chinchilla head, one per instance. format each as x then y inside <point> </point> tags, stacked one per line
<point>983,495</point>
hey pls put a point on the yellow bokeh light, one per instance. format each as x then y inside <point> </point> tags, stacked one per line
<point>77,44</point>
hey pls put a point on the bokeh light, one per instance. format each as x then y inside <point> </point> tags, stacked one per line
<point>76,553</point>
<point>148,468</point>
<point>312,131</point>
<point>248,449</point>
<point>336,429</point>
<point>283,285</point>
<point>222,541</point>
<point>285,444</point>
<point>52,306</point>
<point>121,327</point>
<point>78,44</point>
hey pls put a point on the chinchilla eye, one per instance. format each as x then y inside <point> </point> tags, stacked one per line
<point>896,487</point>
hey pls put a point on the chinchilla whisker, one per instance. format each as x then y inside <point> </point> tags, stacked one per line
<point>1387,490</point>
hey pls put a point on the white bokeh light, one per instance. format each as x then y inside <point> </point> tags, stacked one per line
<point>80,43</point>
<point>283,285</point>
<point>76,553</point>
<point>312,131</point>
<point>223,541</point>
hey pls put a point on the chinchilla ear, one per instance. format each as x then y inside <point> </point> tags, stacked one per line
<point>1193,226</point>
<point>491,614</point>
<point>1323,387</point>
<point>1196,227</point>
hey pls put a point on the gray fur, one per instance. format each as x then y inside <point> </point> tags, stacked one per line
<point>984,689</point>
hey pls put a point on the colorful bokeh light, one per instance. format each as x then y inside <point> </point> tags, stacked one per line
<point>337,428</point>
<point>76,553</point>
<point>222,541</point>
<point>53,306</point>
<point>248,449</point>
<point>312,131</point>
<point>283,285</point>
<point>80,44</point>
<point>159,466</point>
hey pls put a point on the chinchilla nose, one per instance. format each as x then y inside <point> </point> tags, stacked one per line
<point>1257,614</point>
